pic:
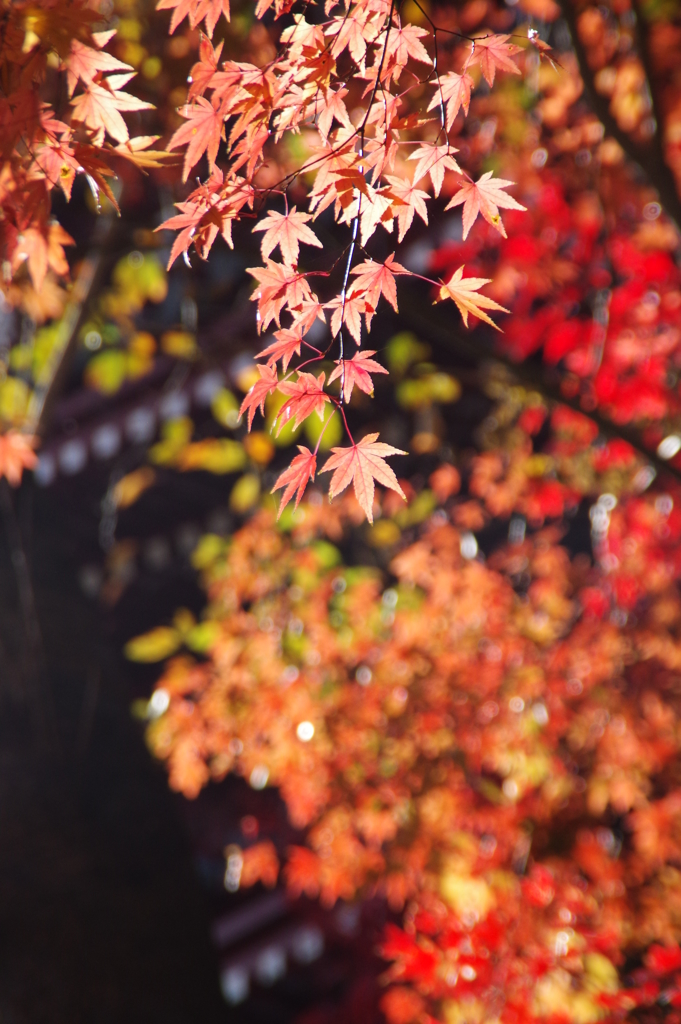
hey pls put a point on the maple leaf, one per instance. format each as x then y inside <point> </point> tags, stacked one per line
<point>545,51</point>
<point>279,286</point>
<point>296,477</point>
<point>195,10</point>
<point>137,152</point>
<point>202,133</point>
<point>258,393</point>
<point>305,314</point>
<point>485,197</point>
<point>349,313</point>
<point>374,209</point>
<point>362,463</point>
<point>376,279</point>
<point>307,395</point>
<point>492,52</point>
<point>205,69</point>
<point>16,455</point>
<point>411,200</point>
<point>464,293</point>
<point>356,371</point>
<point>333,106</point>
<point>85,63</point>
<point>434,160</point>
<point>455,91</point>
<point>286,231</point>
<point>209,11</point>
<point>285,347</point>
<point>99,107</point>
<point>404,43</point>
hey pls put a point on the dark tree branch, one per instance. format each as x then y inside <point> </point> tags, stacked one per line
<point>650,158</point>
<point>88,277</point>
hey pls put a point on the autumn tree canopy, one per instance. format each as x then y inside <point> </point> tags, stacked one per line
<point>478,718</point>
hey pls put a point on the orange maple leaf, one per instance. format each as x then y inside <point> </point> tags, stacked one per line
<point>464,293</point>
<point>260,863</point>
<point>356,371</point>
<point>307,395</point>
<point>455,91</point>
<point>258,393</point>
<point>485,197</point>
<point>286,231</point>
<point>492,52</point>
<point>376,279</point>
<point>302,871</point>
<point>362,463</point>
<point>296,477</point>
<point>16,455</point>
<point>202,133</point>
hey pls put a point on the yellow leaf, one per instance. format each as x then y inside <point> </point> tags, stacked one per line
<point>465,293</point>
<point>214,455</point>
<point>106,371</point>
<point>259,447</point>
<point>245,493</point>
<point>156,645</point>
<point>14,396</point>
<point>130,487</point>
<point>207,550</point>
<point>202,637</point>
<point>179,344</point>
<point>225,408</point>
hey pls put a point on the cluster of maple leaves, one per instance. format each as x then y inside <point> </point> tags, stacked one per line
<point>43,150</point>
<point>351,86</point>
<point>507,778</point>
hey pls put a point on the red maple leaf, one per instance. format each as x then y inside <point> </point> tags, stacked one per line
<point>307,395</point>
<point>492,52</point>
<point>484,196</point>
<point>100,105</point>
<point>411,200</point>
<point>434,160</point>
<point>195,10</point>
<point>286,231</point>
<point>285,347</point>
<point>258,393</point>
<point>455,92</point>
<point>279,286</point>
<point>376,279</point>
<point>202,133</point>
<point>85,63</point>
<point>356,371</point>
<point>202,72</point>
<point>296,477</point>
<point>349,312</point>
<point>361,464</point>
